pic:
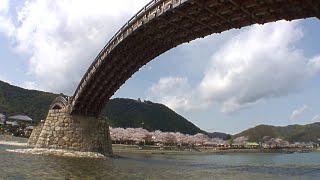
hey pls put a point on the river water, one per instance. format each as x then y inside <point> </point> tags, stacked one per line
<point>160,166</point>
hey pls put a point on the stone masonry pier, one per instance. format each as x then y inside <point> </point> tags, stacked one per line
<point>61,130</point>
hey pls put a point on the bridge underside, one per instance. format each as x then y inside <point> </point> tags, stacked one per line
<point>167,25</point>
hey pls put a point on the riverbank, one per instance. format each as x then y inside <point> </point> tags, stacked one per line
<point>120,149</point>
<point>10,138</point>
<point>6,139</point>
<point>57,152</point>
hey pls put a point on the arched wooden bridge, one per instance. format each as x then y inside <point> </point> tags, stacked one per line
<point>164,24</point>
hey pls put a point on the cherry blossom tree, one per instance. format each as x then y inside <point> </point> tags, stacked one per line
<point>142,136</point>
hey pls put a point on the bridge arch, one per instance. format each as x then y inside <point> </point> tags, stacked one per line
<point>164,24</point>
<point>59,103</point>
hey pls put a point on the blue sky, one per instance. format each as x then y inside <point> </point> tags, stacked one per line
<point>262,74</point>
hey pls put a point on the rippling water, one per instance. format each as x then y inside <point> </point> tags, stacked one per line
<point>147,166</point>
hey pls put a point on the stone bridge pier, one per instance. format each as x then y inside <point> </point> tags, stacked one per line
<point>61,130</point>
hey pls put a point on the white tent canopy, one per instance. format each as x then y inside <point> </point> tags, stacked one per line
<point>21,118</point>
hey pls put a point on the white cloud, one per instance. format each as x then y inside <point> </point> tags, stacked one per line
<point>6,25</point>
<point>5,79</point>
<point>316,118</point>
<point>4,6</point>
<point>313,66</point>
<point>298,112</point>
<point>62,38</point>
<point>258,63</point>
<point>173,92</point>
<point>149,68</point>
<point>29,85</point>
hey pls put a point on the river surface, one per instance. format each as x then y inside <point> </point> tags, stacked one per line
<point>160,166</point>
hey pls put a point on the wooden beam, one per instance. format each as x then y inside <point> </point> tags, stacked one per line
<point>252,16</point>
<point>214,13</point>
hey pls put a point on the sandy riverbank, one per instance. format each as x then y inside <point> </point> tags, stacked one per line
<point>6,139</point>
<point>9,138</point>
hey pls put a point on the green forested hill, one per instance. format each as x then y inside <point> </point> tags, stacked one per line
<point>291,133</point>
<point>120,112</point>
<point>149,115</point>
<point>15,100</point>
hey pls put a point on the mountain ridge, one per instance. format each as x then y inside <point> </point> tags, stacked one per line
<point>146,114</point>
<point>120,112</point>
<point>291,133</point>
